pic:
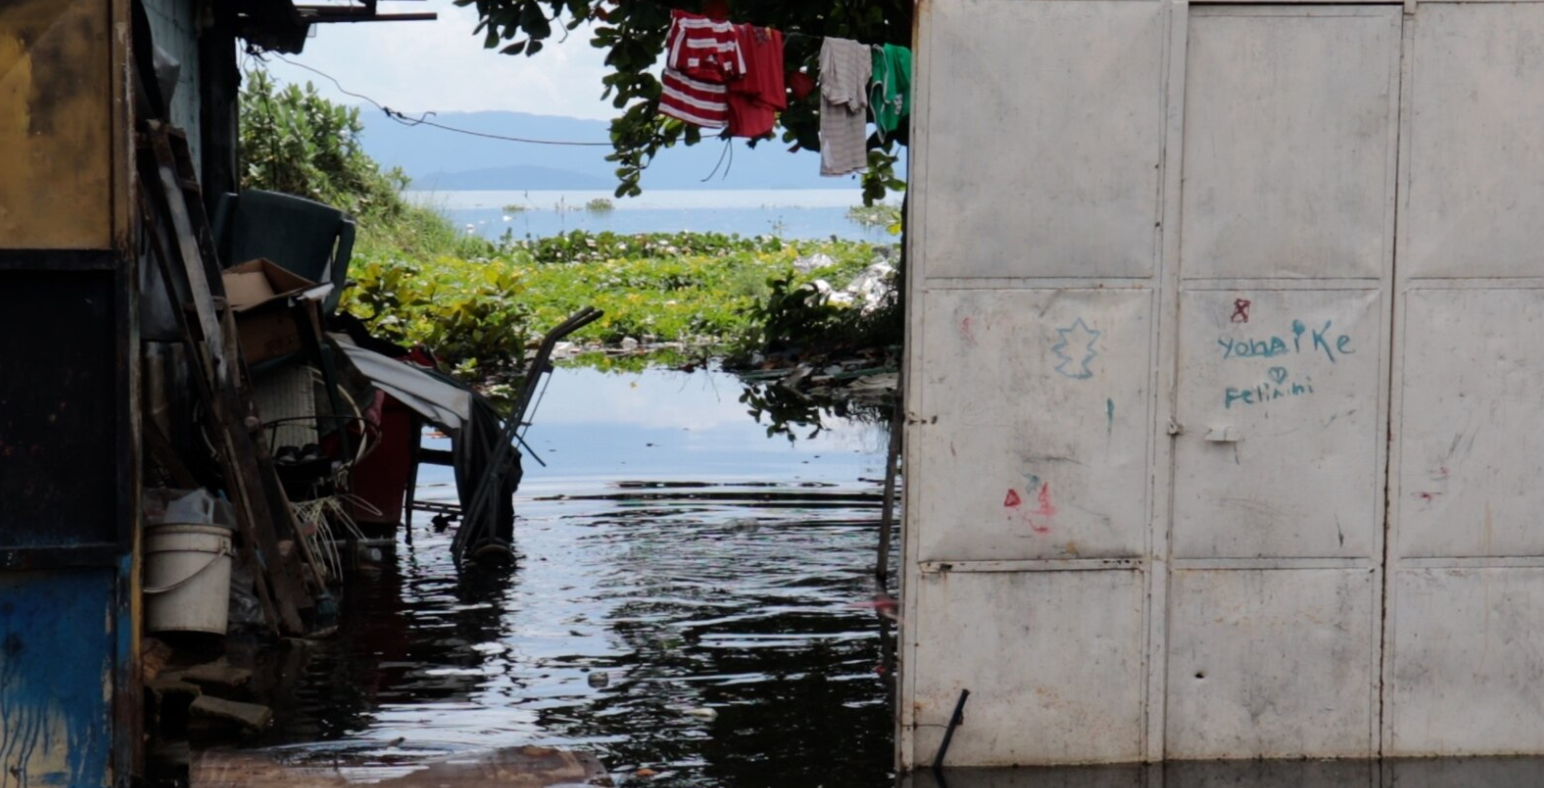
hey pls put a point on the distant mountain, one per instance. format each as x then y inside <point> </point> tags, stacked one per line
<point>446,161</point>
<point>521,177</point>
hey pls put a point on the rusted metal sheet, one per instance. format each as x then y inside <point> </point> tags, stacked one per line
<point>69,481</point>
<point>57,640</point>
<point>59,443</point>
<point>56,124</point>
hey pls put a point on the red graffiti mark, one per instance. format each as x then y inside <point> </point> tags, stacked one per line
<point>1046,508</point>
<point>1442,472</point>
<point>967,331</point>
<point>1241,310</point>
<point>1427,496</point>
<point>1013,500</point>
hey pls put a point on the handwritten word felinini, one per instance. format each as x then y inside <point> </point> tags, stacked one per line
<point>1278,385</point>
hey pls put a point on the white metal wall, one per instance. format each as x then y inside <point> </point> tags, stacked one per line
<point>1159,327</point>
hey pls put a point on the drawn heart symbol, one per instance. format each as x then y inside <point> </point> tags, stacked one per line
<point>1278,375</point>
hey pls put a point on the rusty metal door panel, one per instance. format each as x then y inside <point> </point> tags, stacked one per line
<point>1270,663</point>
<point>1053,660</point>
<point>58,632</point>
<point>58,432</point>
<point>1280,451</point>
<point>1291,116</point>
<point>1472,423</point>
<point>1041,446</point>
<point>56,114</point>
<point>1467,672</point>
<point>1475,195</point>
<point>1043,149</point>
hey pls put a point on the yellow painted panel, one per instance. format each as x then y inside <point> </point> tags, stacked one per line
<point>55,125</point>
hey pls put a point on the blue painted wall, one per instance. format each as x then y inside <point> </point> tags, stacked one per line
<point>57,642</point>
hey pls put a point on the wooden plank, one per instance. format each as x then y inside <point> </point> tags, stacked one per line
<point>175,209</point>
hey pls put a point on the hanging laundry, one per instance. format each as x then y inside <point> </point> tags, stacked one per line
<point>800,84</point>
<point>890,95</point>
<point>756,98</point>
<point>845,68</point>
<point>701,57</point>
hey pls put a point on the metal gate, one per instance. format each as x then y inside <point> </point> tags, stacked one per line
<point>1226,384</point>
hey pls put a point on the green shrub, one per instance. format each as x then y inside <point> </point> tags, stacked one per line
<point>481,312</point>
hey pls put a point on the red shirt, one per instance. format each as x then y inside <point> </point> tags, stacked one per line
<point>756,98</point>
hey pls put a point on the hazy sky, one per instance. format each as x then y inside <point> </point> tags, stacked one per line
<point>441,66</point>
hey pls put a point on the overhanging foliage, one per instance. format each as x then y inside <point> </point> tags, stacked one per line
<point>633,32</point>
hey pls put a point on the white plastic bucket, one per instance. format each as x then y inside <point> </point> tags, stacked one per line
<point>187,578</point>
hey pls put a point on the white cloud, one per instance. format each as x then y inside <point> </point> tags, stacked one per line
<point>441,66</point>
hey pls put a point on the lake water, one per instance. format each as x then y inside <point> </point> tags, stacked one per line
<point>794,214</point>
<point>695,598</point>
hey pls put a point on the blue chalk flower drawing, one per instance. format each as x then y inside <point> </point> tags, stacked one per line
<point>1080,338</point>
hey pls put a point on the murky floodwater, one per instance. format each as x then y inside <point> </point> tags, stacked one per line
<point>694,599</point>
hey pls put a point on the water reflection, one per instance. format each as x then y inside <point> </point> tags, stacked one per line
<point>794,414</point>
<point>693,600</point>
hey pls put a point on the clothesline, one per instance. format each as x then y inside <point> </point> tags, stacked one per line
<point>725,75</point>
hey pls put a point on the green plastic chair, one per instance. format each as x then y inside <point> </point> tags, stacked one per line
<point>299,235</point>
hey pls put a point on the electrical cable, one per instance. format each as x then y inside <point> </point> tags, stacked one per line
<point>422,120</point>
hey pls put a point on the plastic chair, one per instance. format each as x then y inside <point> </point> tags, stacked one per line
<point>299,235</point>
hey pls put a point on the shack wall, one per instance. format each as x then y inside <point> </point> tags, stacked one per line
<point>1223,381</point>
<point>69,448</point>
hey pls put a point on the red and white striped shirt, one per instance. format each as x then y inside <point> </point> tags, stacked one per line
<point>701,56</point>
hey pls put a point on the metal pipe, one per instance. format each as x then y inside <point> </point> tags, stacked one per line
<point>954,721</point>
<point>887,518</point>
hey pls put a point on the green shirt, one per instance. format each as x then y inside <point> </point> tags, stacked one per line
<point>890,93</point>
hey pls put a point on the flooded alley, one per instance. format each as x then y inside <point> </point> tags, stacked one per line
<point>694,604</point>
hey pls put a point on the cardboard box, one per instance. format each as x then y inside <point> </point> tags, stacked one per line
<point>263,296</point>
